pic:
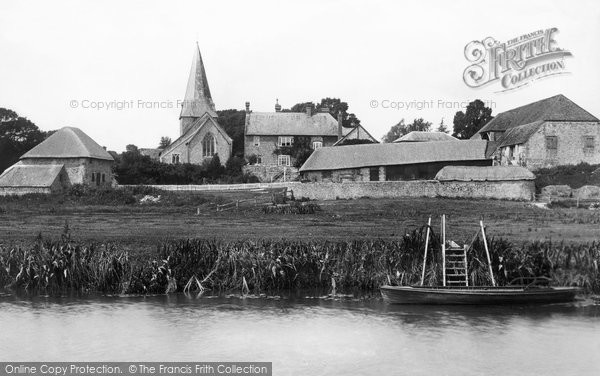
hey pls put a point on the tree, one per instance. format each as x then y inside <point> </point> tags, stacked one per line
<point>402,128</point>
<point>233,121</point>
<point>18,135</point>
<point>442,127</point>
<point>131,148</point>
<point>466,124</point>
<point>164,142</point>
<point>335,106</point>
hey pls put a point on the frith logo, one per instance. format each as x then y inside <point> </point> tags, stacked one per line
<point>515,63</point>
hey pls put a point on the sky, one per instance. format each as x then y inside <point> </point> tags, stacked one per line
<point>61,61</point>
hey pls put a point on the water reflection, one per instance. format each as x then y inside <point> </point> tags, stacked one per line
<point>305,332</point>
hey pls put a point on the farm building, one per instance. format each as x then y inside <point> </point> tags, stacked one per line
<point>201,136</point>
<point>392,161</point>
<point>550,132</point>
<point>356,133</point>
<point>267,135</point>
<point>419,136</point>
<point>67,157</point>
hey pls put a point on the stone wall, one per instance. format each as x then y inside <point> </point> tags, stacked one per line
<point>502,190</point>
<point>268,144</point>
<point>269,173</point>
<point>570,150</point>
<point>79,170</point>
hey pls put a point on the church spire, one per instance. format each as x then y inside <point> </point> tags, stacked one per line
<point>198,100</point>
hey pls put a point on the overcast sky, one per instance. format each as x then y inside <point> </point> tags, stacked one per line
<point>55,52</point>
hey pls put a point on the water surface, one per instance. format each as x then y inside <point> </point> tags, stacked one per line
<point>312,336</point>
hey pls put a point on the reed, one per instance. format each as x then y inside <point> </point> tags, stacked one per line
<point>257,266</point>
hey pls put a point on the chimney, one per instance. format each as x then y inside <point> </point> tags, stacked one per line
<point>277,105</point>
<point>309,110</point>
<point>248,107</point>
<point>340,135</point>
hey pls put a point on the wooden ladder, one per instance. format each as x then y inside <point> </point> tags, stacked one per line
<point>456,266</point>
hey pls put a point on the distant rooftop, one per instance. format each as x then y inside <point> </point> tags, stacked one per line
<point>419,136</point>
<point>292,124</point>
<point>68,142</point>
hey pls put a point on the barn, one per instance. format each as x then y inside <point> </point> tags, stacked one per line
<point>67,157</point>
<point>393,161</point>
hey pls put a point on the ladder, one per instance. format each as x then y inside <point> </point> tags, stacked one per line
<point>456,266</point>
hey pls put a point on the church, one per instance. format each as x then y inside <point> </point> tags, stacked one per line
<point>201,137</point>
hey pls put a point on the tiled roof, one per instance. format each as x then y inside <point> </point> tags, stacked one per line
<point>68,142</point>
<point>520,134</point>
<point>355,133</point>
<point>292,124</point>
<point>487,173</point>
<point>556,108</point>
<point>30,175</point>
<point>367,155</point>
<point>418,136</point>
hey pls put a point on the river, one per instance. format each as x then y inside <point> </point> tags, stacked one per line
<point>306,335</point>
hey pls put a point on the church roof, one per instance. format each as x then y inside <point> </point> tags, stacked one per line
<point>196,126</point>
<point>30,175</point>
<point>68,142</point>
<point>556,108</point>
<point>292,124</point>
<point>419,136</point>
<point>198,100</point>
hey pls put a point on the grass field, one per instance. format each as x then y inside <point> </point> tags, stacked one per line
<point>140,226</point>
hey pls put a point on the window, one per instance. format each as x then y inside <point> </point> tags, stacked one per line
<point>374,174</point>
<point>208,146</point>
<point>93,177</point>
<point>284,160</point>
<point>285,140</point>
<point>103,178</point>
<point>317,144</point>
<point>256,140</point>
<point>259,159</point>
<point>175,158</point>
<point>551,143</point>
<point>588,143</point>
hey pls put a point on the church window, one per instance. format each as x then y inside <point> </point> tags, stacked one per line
<point>175,158</point>
<point>259,159</point>
<point>208,146</point>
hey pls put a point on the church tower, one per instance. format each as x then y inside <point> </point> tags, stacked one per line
<point>198,100</point>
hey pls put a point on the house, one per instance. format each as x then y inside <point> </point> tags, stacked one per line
<point>420,136</point>
<point>67,157</point>
<point>356,133</point>
<point>270,137</point>
<point>550,132</point>
<point>392,161</point>
<point>201,136</point>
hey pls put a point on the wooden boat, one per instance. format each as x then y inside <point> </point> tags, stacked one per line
<point>477,295</point>
<point>456,289</point>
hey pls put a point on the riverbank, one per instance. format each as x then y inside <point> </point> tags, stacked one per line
<point>259,266</point>
<point>138,226</point>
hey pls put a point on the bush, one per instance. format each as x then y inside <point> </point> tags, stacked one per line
<point>575,176</point>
